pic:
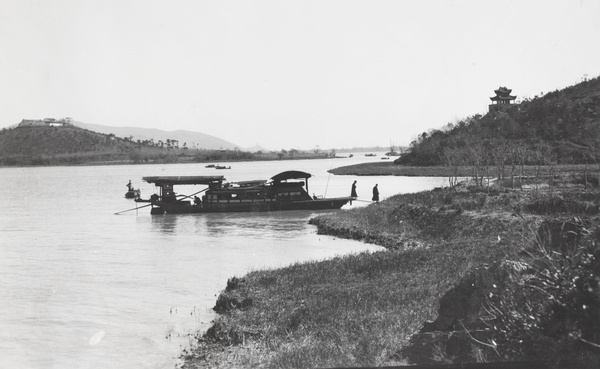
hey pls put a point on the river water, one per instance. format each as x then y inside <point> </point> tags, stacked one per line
<point>82,287</point>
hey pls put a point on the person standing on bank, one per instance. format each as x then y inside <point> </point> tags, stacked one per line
<point>375,194</point>
<point>353,194</point>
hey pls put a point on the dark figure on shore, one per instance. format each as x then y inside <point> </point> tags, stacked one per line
<point>375,194</point>
<point>353,194</point>
<point>197,201</point>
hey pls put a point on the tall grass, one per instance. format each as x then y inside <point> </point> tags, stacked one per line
<point>351,311</point>
<point>550,306</point>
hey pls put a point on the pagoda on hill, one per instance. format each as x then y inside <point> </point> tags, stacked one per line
<point>502,99</point>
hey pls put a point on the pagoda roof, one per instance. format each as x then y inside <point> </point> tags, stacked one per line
<point>503,91</point>
<point>501,98</point>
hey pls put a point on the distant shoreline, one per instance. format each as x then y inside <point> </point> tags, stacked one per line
<point>131,162</point>
<point>74,146</point>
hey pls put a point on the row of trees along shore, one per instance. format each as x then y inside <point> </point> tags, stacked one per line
<point>559,128</point>
<point>71,145</point>
<point>512,163</point>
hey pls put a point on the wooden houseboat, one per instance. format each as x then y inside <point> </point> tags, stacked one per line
<point>285,191</point>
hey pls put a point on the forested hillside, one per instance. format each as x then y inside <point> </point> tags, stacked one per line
<point>44,145</point>
<point>560,127</point>
<point>70,145</point>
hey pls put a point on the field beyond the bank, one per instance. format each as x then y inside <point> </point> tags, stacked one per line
<point>391,169</point>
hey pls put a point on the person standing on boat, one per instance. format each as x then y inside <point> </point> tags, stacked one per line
<point>375,194</point>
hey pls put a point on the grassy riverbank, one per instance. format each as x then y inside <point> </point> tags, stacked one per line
<point>391,169</point>
<point>362,309</point>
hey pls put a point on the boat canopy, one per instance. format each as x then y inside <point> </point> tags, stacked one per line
<point>181,180</point>
<point>290,174</point>
<point>257,182</point>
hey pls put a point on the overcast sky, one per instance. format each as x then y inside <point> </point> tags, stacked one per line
<point>287,74</point>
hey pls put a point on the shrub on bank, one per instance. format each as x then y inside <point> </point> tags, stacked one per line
<point>550,309</point>
<point>553,203</point>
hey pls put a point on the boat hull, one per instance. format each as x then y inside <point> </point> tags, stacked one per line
<point>185,207</point>
<point>133,194</point>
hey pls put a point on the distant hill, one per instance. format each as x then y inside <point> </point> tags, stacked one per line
<point>37,145</point>
<point>560,127</point>
<point>193,140</point>
<point>256,148</point>
<point>37,142</point>
<point>394,149</point>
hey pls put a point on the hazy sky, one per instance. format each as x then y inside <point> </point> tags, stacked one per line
<point>287,74</point>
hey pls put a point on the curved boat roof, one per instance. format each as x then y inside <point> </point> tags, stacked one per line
<point>290,174</point>
<point>203,180</point>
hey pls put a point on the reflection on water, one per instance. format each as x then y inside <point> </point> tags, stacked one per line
<point>165,224</point>
<point>268,225</point>
<point>262,225</point>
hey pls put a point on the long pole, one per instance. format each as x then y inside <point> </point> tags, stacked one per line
<point>141,207</point>
<point>190,196</point>
<point>329,176</point>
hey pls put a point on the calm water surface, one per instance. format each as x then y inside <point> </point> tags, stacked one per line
<point>81,287</point>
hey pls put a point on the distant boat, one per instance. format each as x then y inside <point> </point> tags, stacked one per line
<point>247,196</point>
<point>370,154</point>
<point>210,166</point>
<point>351,155</point>
<point>384,158</point>
<point>393,151</point>
<point>132,193</point>
<point>222,167</point>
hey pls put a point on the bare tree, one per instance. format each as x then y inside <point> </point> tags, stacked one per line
<point>521,154</point>
<point>500,153</point>
<point>452,159</point>
<point>475,157</point>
